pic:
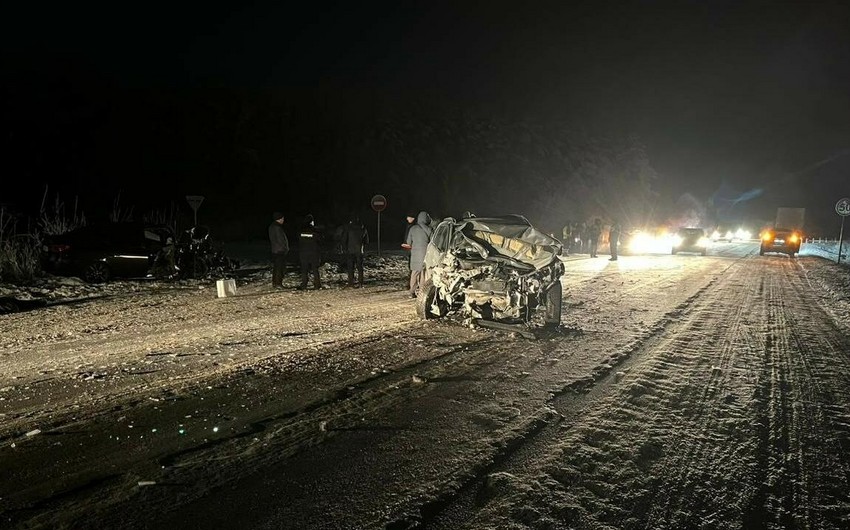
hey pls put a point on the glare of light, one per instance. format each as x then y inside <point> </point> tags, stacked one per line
<point>703,242</point>
<point>646,243</point>
<point>639,242</point>
<point>715,235</point>
<point>794,238</point>
<point>743,234</point>
<point>730,235</point>
<point>767,236</point>
<point>677,240</point>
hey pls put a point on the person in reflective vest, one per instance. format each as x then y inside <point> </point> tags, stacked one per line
<point>308,252</point>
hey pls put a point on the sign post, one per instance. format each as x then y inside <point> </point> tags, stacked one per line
<point>842,208</point>
<point>195,202</point>
<point>379,202</point>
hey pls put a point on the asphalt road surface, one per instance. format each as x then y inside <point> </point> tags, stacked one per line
<point>680,391</point>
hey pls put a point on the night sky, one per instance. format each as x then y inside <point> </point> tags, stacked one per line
<point>742,106</point>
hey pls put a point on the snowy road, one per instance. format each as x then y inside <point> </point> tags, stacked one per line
<point>682,391</point>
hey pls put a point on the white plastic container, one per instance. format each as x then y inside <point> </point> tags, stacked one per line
<point>226,287</point>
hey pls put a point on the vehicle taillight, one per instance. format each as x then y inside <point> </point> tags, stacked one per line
<point>794,238</point>
<point>58,249</point>
<point>767,236</point>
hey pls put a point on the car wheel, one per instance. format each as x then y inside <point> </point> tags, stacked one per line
<point>792,254</point>
<point>553,305</point>
<point>761,251</point>
<point>673,252</point>
<point>425,302</point>
<point>97,272</point>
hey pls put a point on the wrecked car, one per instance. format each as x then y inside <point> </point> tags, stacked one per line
<point>497,271</point>
<point>100,252</point>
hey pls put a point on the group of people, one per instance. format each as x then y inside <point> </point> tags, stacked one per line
<point>579,237</point>
<point>353,238</point>
<point>584,237</point>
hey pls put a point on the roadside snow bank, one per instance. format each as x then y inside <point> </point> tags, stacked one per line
<point>827,250</point>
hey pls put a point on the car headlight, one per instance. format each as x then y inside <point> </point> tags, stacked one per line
<point>715,235</point>
<point>677,240</point>
<point>703,242</point>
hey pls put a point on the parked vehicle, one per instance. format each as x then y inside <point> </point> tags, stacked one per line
<point>492,269</point>
<point>100,252</point>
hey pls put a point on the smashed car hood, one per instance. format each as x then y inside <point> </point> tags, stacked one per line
<point>509,237</point>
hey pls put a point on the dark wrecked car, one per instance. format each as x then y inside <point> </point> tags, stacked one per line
<point>100,252</point>
<point>492,270</point>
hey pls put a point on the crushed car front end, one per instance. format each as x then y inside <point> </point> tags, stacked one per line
<point>493,269</point>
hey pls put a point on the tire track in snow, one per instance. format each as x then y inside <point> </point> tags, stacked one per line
<point>680,445</point>
<point>804,406</point>
<point>708,378</point>
<point>453,505</point>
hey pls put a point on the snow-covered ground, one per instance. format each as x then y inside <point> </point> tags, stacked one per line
<point>681,391</point>
<point>827,250</point>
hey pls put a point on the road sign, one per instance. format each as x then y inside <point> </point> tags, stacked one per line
<point>195,202</point>
<point>842,207</point>
<point>379,202</point>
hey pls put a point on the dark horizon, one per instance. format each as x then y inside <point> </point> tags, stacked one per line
<point>741,107</point>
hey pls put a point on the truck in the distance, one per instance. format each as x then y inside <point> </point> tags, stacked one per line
<point>787,232</point>
<point>790,218</point>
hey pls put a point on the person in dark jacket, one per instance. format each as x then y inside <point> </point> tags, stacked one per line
<point>418,239</point>
<point>354,241</point>
<point>308,251</point>
<point>594,233</point>
<point>280,248</point>
<point>614,240</point>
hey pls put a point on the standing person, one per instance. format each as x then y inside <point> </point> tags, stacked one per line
<point>411,222</point>
<point>614,239</point>
<point>280,248</point>
<point>567,237</point>
<point>594,233</point>
<point>354,240</point>
<point>418,239</point>
<point>308,251</point>
<point>584,238</point>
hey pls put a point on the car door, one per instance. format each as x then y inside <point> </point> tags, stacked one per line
<point>130,257</point>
